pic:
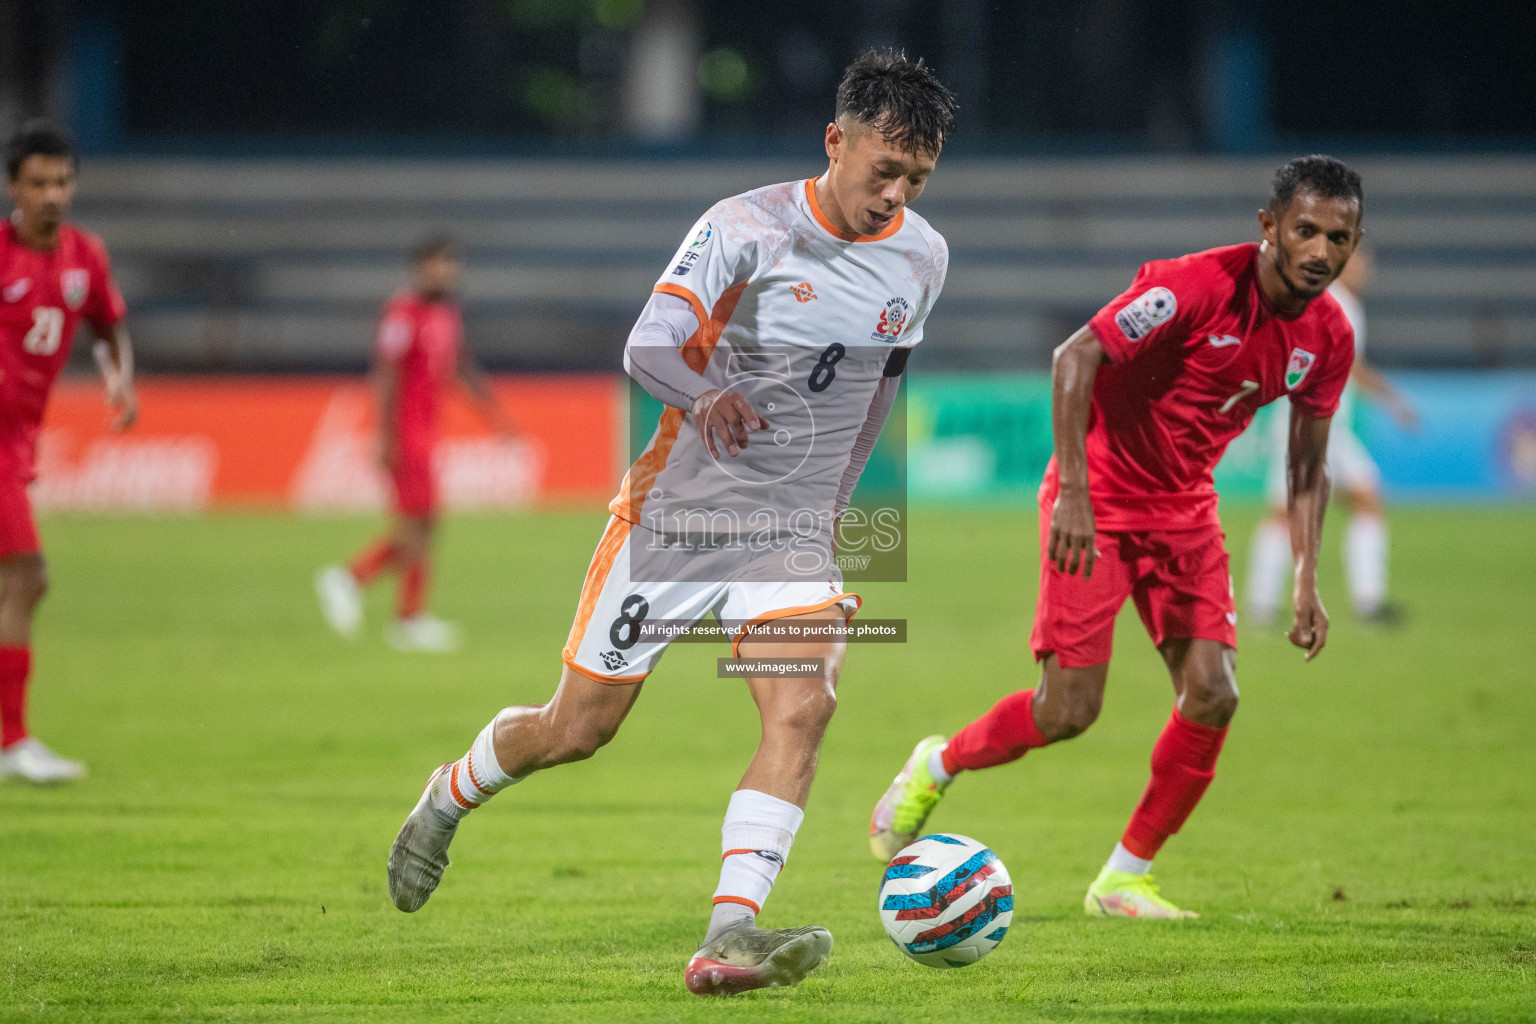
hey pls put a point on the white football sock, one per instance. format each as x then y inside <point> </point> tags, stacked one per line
<point>1365,562</point>
<point>1124,860</point>
<point>936,766</point>
<point>1268,560</point>
<point>474,778</point>
<point>754,843</point>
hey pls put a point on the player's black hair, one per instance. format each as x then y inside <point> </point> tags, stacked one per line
<point>35,138</point>
<point>901,99</point>
<point>1321,175</point>
<point>433,246</point>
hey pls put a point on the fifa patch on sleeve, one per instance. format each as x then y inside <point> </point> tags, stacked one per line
<point>1145,314</point>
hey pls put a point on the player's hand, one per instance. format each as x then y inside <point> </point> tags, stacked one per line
<point>1310,630</point>
<point>725,417</point>
<point>1072,533</point>
<point>121,396</point>
<point>389,456</point>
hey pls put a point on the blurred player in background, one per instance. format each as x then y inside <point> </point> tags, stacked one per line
<point>1146,397</point>
<point>1354,475</point>
<point>52,276</point>
<point>420,351</point>
<point>787,313</point>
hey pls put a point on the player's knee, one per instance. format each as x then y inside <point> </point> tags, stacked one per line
<point>1069,716</point>
<point>806,712</point>
<point>1210,698</point>
<point>26,584</point>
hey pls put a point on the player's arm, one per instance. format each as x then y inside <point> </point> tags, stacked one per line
<point>386,389</point>
<point>113,352</point>
<point>874,424</point>
<point>473,378</point>
<point>653,356</point>
<point>1373,383</point>
<point>1307,487</point>
<point>1074,365</point>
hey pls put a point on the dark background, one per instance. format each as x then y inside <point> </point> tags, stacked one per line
<point>1200,76</point>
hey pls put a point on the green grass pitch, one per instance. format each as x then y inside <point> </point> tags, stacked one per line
<point>1367,852</point>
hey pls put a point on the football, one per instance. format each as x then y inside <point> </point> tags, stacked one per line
<point>946,900</point>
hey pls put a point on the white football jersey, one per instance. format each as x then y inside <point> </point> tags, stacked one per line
<point>803,321</point>
<point>1354,312</point>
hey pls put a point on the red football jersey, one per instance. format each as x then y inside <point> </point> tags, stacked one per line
<point>422,339</point>
<point>43,297</point>
<point>1194,351</point>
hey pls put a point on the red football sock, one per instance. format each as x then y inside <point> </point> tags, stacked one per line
<point>413,589</point>
<point>15,667</point>
<point>1001,735</point>
<point>372,560</point>
<point>1183,765</point>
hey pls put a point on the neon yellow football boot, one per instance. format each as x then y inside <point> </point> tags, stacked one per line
<point>1122,894</point>
<point>901,812</point>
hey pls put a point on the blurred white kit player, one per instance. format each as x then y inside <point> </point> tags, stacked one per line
<point>1355,477</point>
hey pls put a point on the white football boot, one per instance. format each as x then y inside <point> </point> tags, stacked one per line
<point>31,761</point>
<point>420,852</point>
<point>745,957</point>
<point>341,600</point>
<point>423,632</point>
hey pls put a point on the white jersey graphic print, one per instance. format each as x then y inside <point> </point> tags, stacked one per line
<point>803,321</point>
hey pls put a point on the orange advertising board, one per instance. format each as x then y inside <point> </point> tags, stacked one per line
<point>309,443</point>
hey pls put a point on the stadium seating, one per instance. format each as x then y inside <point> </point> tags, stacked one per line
<point>283,264</point>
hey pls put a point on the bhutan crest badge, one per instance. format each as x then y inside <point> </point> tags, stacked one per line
<point>893,320</point>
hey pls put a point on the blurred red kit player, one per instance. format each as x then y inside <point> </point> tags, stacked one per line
<point>420,352</point>
<point>1145,399</point>
<point>52,276</point>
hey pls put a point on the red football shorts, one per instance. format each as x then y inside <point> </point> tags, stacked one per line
<point>1179,579</point>
<point>414,485</point>
<point>18,527</point>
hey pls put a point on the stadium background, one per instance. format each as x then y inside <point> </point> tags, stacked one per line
<point>259,170</point>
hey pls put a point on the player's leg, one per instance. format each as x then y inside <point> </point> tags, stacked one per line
<point>1062,705</point>
<point>1269,566</point>
<point>761,820</point>
<point>23,582</point>
<point>414,628</point>
<point>1269,553</point>
<point>340,588</point>
<point>1358,481</point>
<point>1072,638</point>
<point>586,710</point>
<point>582,715</point>
<point>1188,606</point>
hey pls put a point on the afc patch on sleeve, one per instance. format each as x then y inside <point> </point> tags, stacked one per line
<point>1145,314</point>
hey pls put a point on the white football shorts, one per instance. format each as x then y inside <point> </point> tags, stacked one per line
<point>606,642</point>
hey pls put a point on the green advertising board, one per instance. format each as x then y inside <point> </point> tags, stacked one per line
<point>985,438</point>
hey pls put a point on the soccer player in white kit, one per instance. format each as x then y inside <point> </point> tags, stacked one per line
<point>1354,474</point>
<point>776,337</point>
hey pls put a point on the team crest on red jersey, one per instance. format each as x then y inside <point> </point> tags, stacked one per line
<point>75,285</point>
<point>1296,369</point>
<point>893,319</point>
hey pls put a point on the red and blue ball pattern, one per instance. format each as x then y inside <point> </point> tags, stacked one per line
<point>946,900</point>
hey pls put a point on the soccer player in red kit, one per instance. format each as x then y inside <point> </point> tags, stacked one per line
<point>1145,399</point>
<point>52,276</point>
<point>419,352</point>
